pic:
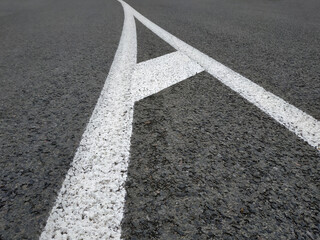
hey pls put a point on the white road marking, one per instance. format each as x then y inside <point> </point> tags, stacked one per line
<point>297,121</point>
<point>159,73</point>
<point>90,202</point>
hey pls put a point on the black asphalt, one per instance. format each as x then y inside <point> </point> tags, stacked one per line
<point>205,163</point>
<point>54,58</point>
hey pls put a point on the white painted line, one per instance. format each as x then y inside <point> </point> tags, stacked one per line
<point>91,200</point>
<point>159,73</point>
<point>297,121</point>
<point>90,203</point>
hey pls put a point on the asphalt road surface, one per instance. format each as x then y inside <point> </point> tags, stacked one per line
<point>205,163</point>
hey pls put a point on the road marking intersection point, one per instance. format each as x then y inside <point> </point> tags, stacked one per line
<point>90,202</point>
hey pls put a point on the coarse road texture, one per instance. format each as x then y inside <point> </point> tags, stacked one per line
<point>205,163</point>
<point>54,59</point>
<point>274,43</point>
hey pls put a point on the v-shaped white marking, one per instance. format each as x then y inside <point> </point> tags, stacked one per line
<point>90,202</point>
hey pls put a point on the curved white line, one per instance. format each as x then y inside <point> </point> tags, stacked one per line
<point>90,203</point>
<point>91,200</point>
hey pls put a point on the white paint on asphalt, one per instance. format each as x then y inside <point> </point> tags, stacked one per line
<point>91,200</point>
<point>159,73</point>
<point>297,121</point>
<point>90,203</point>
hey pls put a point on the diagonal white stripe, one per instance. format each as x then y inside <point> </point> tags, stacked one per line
<point>90,203</point>
<point>91,200</point>
<point>297,121</point>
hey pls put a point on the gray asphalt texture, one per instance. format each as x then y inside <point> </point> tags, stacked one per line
<point>205,163</point>
<point>274,43</point>
<point>149,45</point>
<point>54,59</point>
